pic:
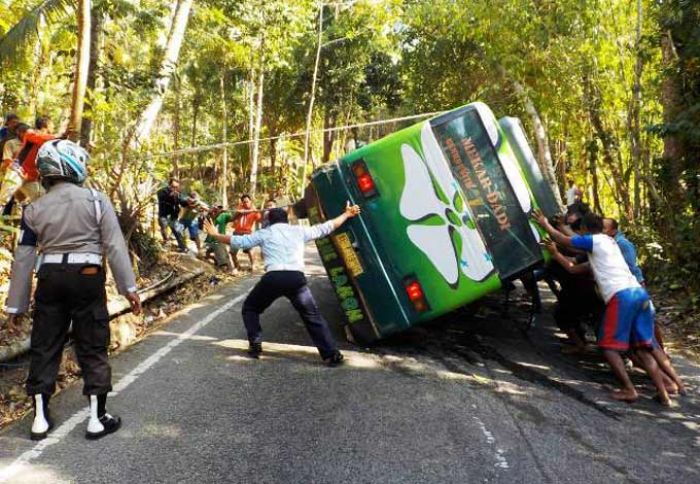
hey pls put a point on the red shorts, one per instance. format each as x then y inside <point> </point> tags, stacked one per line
<point>628,321</point>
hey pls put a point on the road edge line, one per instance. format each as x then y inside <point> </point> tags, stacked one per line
<point>77,418</point>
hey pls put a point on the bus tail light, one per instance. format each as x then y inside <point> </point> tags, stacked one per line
<point>415,294</point>
<point>364,179</point>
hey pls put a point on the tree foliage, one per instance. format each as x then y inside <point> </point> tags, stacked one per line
<point>609,89</point>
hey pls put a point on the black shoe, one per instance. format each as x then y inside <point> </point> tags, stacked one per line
<point>110,425</point>
<point>336,359</point>
<point>255,350</point>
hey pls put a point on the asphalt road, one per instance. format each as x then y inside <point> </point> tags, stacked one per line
<point>468,400</point>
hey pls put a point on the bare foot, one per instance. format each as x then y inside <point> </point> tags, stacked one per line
<point>628,396</point>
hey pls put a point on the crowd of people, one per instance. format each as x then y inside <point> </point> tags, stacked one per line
<point>19,145</point>
<point>183,215</point>
<point>599,285</point>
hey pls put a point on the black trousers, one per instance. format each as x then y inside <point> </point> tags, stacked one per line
<point>63,295</point>
<point>292,285</point>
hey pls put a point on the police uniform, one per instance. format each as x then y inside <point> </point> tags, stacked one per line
<point>73,229</point>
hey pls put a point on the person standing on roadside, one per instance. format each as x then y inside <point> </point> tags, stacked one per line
<point>32,141</point>
<point>189,217</point>
<point>9,131</point>
<point>169,203</point>
<point>283,251</point>
<point>74,229</point>
<point>269,204</point>
<point>222,256</point>
<point>11,175</point>
<point>244,220</point>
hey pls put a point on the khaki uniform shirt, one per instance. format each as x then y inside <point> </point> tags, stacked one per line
<point>65,220</point>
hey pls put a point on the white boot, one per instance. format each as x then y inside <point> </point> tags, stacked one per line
<point>94,424</point>
<point>42,423</point>
<point>100,425</point>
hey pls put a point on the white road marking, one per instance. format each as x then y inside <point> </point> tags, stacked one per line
<point>501,461</point>
<point>69,425</point>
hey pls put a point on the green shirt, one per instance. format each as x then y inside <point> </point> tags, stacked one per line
<point>221,221</point>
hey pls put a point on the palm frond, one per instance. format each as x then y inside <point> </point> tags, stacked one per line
<point>15,40</point>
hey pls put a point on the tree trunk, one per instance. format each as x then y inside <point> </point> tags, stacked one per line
<point>176,129</point>
<point>675,149</point>
<point>251,109</point>
<point>172,51</point>
<point>328,137</point>
<point>224,135</point>
<point>273,153</point>
<point>96,24</point>
<point>80,75</point>
<point>593,168</point>
<point>634,121</point>
<point>256,134</point>
<point>309,114</point>
<point>195,118</point>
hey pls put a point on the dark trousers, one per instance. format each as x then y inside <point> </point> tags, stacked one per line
<point>63,295</point>
<point>292,285</point>
<point>176,228</point>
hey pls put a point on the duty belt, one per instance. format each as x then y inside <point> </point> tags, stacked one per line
<point>86,258</point>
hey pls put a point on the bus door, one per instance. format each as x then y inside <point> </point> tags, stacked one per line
<point>474,162</point>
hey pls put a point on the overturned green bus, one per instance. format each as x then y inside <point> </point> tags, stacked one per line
<point>444,222</point>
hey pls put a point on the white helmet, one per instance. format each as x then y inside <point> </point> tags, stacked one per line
<point>62,160</point>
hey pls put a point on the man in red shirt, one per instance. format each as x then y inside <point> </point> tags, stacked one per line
<point>31,142</point>
<point>244,220</point>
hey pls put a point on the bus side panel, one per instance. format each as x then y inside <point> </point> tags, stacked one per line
<point>369,301</point>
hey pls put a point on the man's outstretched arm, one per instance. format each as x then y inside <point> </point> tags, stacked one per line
<point>243,242</point>
<point>325,229</point>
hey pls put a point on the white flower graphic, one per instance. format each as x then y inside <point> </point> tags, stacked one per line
<point>443,227</point>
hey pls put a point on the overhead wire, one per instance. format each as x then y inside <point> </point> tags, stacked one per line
<point>217,146</point>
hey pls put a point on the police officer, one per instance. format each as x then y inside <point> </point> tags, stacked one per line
<point>73,229</point>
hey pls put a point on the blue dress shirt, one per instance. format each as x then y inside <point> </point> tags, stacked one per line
<point>282,244</point>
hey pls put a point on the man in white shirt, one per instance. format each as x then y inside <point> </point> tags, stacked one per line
<point>283,252</point>
<point>629,318</point>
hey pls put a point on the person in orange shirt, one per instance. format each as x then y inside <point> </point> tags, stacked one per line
<point>244,220</point>
<point>25,164</point>
<point>31,142</point>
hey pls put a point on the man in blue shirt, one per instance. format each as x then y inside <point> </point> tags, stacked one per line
<point>629,251</point>
<point>283,252</point>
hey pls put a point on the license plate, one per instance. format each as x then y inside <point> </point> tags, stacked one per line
<point>347,252</point>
